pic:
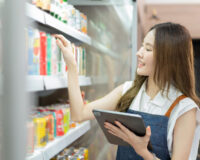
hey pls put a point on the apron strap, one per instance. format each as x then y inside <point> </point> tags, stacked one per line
<point>174,104</point>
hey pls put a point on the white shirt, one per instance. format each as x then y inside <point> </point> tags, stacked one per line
<point>160,105</point>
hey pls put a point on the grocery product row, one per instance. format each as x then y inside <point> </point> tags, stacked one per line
<point>72,154</point>
<point>61,10</point>
<point>59,143</point>
<point>45,18</point>
<point>46,125</point>
<point>45,57</point>
<point>46,68</point>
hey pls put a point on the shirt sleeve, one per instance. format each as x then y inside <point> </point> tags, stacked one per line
<point>127,85</point>
<point>184,106</point>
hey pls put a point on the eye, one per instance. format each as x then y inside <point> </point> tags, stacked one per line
<point>149,49</point>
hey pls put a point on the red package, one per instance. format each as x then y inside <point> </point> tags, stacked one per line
<point>59,121</point>
<point>43,53</point>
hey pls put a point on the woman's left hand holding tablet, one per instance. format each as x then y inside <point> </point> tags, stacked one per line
<point>138,143</point>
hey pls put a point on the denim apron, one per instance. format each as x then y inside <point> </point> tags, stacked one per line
<point>158,137</point>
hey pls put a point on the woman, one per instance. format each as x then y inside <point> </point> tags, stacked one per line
<point>163,93</point>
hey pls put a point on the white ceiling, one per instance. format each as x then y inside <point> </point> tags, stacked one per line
<point>172,1</point>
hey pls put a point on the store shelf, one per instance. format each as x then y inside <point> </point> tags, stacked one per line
<point>35,83</point>
<point>45,18</point>
<point>35,13</point>
<point>55,82</point>
<point>99,80</point>
<point>40,83</point>
<point>53,22</point>
<point>60,143</point>
<point>85,81</point>
<point>38,155</point>
<point>103,80</point>
<point>104,49</point>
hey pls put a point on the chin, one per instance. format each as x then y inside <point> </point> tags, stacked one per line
<point>141,73</point>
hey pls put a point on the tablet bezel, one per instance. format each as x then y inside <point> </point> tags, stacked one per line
<point>137,126</point>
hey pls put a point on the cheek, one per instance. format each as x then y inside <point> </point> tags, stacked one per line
<point>150,61</point>
<point>148,69</point>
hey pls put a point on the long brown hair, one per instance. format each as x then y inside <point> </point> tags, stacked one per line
<point>173,53</point>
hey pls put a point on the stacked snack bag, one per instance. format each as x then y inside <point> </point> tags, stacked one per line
<point>47,123</point>
<point>72,154</point>
<point>61,10</point>
<point>45,57</point>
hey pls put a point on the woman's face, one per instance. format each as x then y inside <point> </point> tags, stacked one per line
<point>145,57</point>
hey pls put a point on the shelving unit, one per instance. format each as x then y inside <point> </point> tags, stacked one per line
<point>35,83</point>
<point>35,13</point>
<point>41,83</point>
<point>42,17</point>
<point>104,49</point>
<point>37,155</point>
<point>55,82</point>
<point>99,80</point>
<point>53,22</point>
<point>14,87</point>
<point>85,81</point>
<point>56,146</point>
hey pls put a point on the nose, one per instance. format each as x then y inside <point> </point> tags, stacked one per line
<point>140,52</point>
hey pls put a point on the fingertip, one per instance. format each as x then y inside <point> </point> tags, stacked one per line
<point>57,41</point>
<point>149,130</point>
<point>55,35</point>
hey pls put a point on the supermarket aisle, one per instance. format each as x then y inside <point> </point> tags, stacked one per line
<point>100,59</point>
<point>101,34</point>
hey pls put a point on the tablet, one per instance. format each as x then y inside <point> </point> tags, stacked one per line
<point>133,122</point>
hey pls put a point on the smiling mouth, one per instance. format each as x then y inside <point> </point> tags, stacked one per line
<point>140,64</point>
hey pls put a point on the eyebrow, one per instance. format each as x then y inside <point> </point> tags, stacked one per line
<point>149,44</point>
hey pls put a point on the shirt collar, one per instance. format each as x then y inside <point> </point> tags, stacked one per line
<point>161,99</point>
